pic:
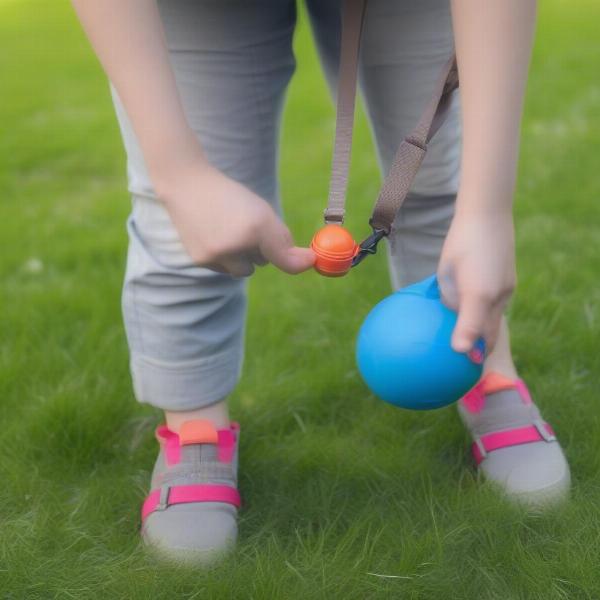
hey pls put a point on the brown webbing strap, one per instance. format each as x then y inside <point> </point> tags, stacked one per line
<point>411,151</point>
<point>352,22</point>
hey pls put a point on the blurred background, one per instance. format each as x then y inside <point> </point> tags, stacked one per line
<point>344,496</point>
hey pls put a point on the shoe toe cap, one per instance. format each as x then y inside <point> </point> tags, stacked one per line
<point>536,474</point>
<point>192,533</point>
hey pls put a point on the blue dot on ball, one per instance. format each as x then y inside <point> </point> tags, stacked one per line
<point>403,350</point>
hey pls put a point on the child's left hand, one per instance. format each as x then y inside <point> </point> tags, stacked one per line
<point>477,274</point>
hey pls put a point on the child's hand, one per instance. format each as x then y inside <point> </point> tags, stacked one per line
<point>477,275</point>
<point>226,227</point>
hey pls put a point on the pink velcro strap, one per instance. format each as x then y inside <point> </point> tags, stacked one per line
<point>169,440</point>
<point>226,445</point>
<point>511,437</point>
<point>523,390</point>
<point>474,399</point>
<point>183,494</point>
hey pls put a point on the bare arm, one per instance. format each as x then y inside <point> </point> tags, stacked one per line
<point>128,38</point>
<point>493,46</point>
<point>222,224</point>
<point>477,268</point>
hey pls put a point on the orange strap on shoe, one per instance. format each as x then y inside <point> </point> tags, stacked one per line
<point>198,431</point>
<point>405,165</point>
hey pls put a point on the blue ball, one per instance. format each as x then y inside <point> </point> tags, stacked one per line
<point>404,354</point>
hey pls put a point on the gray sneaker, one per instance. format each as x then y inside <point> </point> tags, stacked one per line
<point>513,446</point>
<point>190,515</point>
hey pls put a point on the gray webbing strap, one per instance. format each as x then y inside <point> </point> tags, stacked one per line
<point>353,12</point>
<point>411,151</point>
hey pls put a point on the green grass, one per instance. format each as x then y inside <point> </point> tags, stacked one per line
<point>339,488</point>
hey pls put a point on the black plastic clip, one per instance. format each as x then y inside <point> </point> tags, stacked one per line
<point>369,246</point>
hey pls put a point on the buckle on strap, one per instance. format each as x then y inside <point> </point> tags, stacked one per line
<point>369,245</point>
<point>334,215</point>
<point>480,446</point>
<point>163,500</point>
<point>543,431</point>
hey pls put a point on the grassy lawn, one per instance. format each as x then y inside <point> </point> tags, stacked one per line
<point>339,488</point>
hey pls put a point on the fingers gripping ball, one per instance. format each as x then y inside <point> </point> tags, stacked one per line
<point>404,354</point>
<point>335,248</point>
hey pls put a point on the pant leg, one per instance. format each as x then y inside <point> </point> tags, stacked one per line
<point>405,45</point>
<point>185,324</point>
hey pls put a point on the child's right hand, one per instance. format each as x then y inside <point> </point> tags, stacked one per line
<point>226,227</point>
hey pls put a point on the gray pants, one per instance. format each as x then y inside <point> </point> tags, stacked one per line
<point>233,60</point>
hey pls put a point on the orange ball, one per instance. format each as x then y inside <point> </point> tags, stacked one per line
<point>335,248</point>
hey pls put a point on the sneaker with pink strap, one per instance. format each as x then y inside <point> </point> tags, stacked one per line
<point>190,514</point>
<point>512,445</point>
